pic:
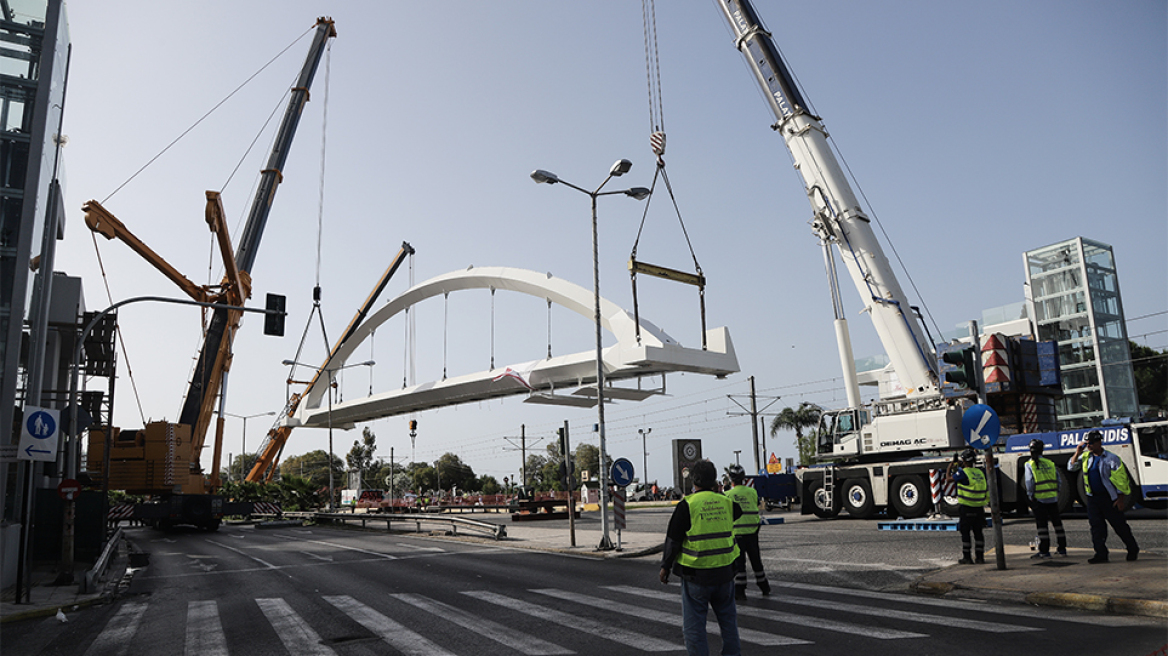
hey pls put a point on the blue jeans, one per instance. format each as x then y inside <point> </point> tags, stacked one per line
<point>696,600</point>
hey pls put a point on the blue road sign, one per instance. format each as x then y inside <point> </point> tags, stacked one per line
<point>980,426</point>
<point>39,435</point>
<point>622,472</point>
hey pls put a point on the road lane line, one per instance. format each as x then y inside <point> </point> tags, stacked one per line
<point>505,635</point>
<point>749,635</point>
<point>116,637</point>
<point>397,635</point>
<point>204,630</point>
<point>297,636</point>
<point>597,629</point>
<point>802,620</point>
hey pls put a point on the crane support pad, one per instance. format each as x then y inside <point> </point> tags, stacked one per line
<point>695,279</point>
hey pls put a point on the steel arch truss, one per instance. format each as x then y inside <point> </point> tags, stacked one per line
<point>655,353</point>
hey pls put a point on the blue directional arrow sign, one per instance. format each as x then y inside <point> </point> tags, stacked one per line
<point>622,472</point>
<point>980,426</point>
<point>39,435</point>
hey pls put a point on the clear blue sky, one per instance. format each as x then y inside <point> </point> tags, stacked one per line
<point>976,131</point>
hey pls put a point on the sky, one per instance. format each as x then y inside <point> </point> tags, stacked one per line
<point>975,132</point>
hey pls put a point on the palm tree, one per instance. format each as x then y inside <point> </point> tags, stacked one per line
<point>796,419</point>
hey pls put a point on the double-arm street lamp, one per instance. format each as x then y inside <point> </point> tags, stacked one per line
<point>640,193</point>
<point>243,451</point>
<point>331,384</point>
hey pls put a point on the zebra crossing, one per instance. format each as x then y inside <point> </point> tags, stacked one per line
<point>537,621</point>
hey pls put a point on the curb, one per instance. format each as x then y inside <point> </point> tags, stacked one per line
<point>1099,603</point>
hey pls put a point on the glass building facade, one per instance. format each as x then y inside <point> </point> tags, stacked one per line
<point>34,56</point>
<point>1075,299</point>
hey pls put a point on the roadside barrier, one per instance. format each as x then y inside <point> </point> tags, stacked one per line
<point>496,531</point>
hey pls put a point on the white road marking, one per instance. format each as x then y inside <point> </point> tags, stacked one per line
<point>294,632</point>
<point>505,635</point>
<point>397,635</point>
<point>204,630</point>
<point>116,637</point>
<point>598,629</point>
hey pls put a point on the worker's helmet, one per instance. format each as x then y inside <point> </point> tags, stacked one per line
<point>967,455</point>
<point>1036,446</point>
<point>737,473</point>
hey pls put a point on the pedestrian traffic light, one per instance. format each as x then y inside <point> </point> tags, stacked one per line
<point>963,373</point>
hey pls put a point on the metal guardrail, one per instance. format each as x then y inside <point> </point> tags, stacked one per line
<point>496,531</point>
<point>90,578</point>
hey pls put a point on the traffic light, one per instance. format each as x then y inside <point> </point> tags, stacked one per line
<point>963,374</point>
<point>274,315</point>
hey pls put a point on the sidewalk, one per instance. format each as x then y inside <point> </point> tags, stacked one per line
<point>1119,587</point>
<point>45,598</point>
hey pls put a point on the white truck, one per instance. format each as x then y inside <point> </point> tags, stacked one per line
<point>880,456</point>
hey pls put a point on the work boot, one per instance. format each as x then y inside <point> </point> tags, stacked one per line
<point>1097,558</point>
<point>965,560</point>
<point>1062,552</point>
<point>980,559</point>
<point>1132,554</point>
<point>740,593</point>
<point>1041,555</point>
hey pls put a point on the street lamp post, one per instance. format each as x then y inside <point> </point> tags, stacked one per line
<point>243,451</point>
<point>331,382</point>
<point>620,168</point>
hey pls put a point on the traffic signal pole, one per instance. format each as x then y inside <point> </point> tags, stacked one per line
<point>990,461</point>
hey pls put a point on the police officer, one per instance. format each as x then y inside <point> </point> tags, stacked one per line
<point>1107,484</point>
<point>1043,485</point>
<point>971,500</point>
<point>746,533</point>
<point>700,549</point>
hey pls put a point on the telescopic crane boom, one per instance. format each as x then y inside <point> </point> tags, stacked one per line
<point>838,218</point>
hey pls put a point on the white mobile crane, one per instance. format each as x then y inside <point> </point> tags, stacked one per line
<point>880,455</point>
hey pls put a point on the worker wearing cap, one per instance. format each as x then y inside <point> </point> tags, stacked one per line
<point>1043,485</point>
<point>1107,484</point>
<point>699,548</point>
<point>971,501</point>
<point>746,533</point>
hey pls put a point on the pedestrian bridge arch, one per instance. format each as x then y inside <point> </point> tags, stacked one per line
<point>542,381</point>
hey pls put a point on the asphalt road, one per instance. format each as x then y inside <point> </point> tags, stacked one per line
<point>333,591</point>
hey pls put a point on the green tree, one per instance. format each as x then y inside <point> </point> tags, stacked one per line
<point>453,472</point>
<point>1151,371</point>
<point>314,466</point>
<point>296,493</point>
<point>487,484</point>
<point>796,419</point>
<point>535,472</point>
<point>360,457</point>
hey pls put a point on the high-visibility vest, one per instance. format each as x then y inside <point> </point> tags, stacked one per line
<point>1045,478</point>
<point>747,499</point>
<point>973,491</point>
<point>709,543</point>
<point>1119,477</point>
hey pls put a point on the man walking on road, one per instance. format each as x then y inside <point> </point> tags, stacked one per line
<point>1043,486</point>
<point>1107,484</point>
<point>700,549</point>
<point>746,533</point>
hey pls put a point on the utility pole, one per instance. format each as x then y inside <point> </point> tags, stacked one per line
<point>522,448</point>
<point>644,454</point>
<point>755,412</point>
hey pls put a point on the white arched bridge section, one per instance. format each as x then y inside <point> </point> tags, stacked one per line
<point>655,353</point>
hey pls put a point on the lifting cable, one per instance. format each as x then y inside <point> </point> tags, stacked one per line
<point>657,143</point>
<point>97,249</point>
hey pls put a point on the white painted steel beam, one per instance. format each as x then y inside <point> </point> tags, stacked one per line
<point>657,353</point>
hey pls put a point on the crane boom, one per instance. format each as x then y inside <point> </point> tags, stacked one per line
<point>838,217</point>
<point>215,356</point>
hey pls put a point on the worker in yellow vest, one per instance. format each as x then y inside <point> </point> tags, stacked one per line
<point>1108,486</point>
<point>746,530</point>
<point>1043,484</point>
<point>699,548</point>
<point>971,501</point>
